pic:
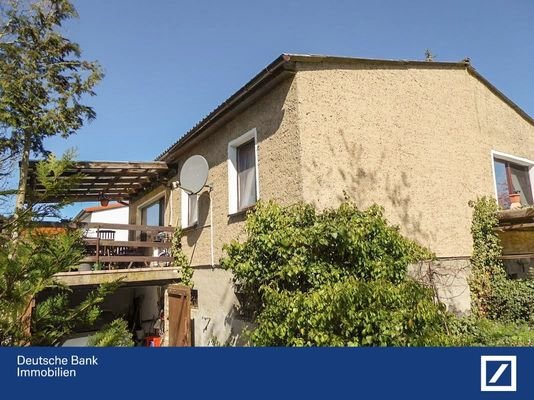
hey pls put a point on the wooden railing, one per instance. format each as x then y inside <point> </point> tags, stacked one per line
<point>128,253</point>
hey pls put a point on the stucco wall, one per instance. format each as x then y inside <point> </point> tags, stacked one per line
<point>417,141</point>
<point>414,140</point>
<point>278,151</point>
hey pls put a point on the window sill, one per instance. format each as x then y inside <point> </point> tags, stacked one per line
<point>242,211</point>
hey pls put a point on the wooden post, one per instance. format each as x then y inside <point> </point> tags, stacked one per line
<point>98,245</point>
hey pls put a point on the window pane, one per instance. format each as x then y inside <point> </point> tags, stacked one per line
<point>247,188</point>
<point>192,209</point>
<point>521,183</point>
<point>152,214</point>
<point>245,156</point>
<point>246,175</point>
<point>502,184</point>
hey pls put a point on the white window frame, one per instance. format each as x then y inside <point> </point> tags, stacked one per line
<point>516,160</point>
<point>185,210</point>
<point>232,168</point>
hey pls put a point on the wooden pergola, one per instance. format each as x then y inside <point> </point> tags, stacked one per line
<point>111,180</point>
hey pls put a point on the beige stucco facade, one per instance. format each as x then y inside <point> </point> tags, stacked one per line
<point>278,149</point>
<point>415,139</point>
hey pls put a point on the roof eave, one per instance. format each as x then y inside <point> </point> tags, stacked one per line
<point>271,70</point>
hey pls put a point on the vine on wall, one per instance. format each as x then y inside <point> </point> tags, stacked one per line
<point>493,294</point>
<point>180,259</point>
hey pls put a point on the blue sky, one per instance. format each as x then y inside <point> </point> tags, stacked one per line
<point>169,63</point>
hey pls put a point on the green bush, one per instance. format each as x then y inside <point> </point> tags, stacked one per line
<point>494,295</point>
<point>353,313</point>
<point>332,278</point>
<point>473,331</point>
<point>338,278</point>
<point>115,334</point>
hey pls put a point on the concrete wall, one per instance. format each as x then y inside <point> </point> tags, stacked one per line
<point>450,280</point>
<point>414,140</point>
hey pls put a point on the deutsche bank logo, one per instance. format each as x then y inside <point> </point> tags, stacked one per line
<point>498,373</point>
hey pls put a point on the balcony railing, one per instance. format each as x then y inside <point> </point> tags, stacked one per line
<point>147,245</point>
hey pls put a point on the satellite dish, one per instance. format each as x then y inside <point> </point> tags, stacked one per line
<point>194,174</point>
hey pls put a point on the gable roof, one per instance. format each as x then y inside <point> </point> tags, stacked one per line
<point>287,62</point>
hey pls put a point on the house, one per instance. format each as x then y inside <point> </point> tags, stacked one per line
<point>420,138</point>
<point>114,213</point>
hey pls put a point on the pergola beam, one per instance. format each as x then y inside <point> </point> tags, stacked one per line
<point>103,179</point>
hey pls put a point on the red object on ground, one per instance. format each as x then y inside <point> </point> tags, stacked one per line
<point>153,341</point>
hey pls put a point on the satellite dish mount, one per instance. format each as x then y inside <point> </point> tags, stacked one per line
<point>193,178</point>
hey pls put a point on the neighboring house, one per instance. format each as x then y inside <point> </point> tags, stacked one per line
<point>421,139</point>
<point>114,213</point>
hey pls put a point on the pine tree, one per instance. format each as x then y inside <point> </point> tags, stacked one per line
<point>42,81</point>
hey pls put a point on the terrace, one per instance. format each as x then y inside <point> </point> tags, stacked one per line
<point>146,254</point>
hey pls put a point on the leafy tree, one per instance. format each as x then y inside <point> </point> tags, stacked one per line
<point>332,278</point>
<point>42,81</point>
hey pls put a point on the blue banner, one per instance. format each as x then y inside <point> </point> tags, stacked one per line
<point>325,373</point>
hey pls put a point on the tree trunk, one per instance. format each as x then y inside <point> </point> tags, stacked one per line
<point>23,179</point>
<point>23,174</point>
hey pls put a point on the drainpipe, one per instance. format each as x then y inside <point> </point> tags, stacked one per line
<point>210,190</point>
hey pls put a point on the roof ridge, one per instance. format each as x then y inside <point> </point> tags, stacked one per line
<point>285,58</point>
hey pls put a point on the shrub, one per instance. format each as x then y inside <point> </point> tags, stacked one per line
<point>115,334</point>
<point>473,331</point>
<point>494,295</point>
<point>332,278</point>
<point>353,313</point>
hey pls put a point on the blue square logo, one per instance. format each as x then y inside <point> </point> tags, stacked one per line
<point>498,373</point>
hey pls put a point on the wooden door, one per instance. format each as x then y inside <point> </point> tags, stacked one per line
<point>179,315</point>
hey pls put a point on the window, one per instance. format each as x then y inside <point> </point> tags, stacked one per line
<point>246,175</point>
<point>243,190</point>
<point>512,177</point>
<point>153,214</point>
<point>189,209</point>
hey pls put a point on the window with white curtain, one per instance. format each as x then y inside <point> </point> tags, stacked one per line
<point>243,190</point>
<point>246,175</point>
